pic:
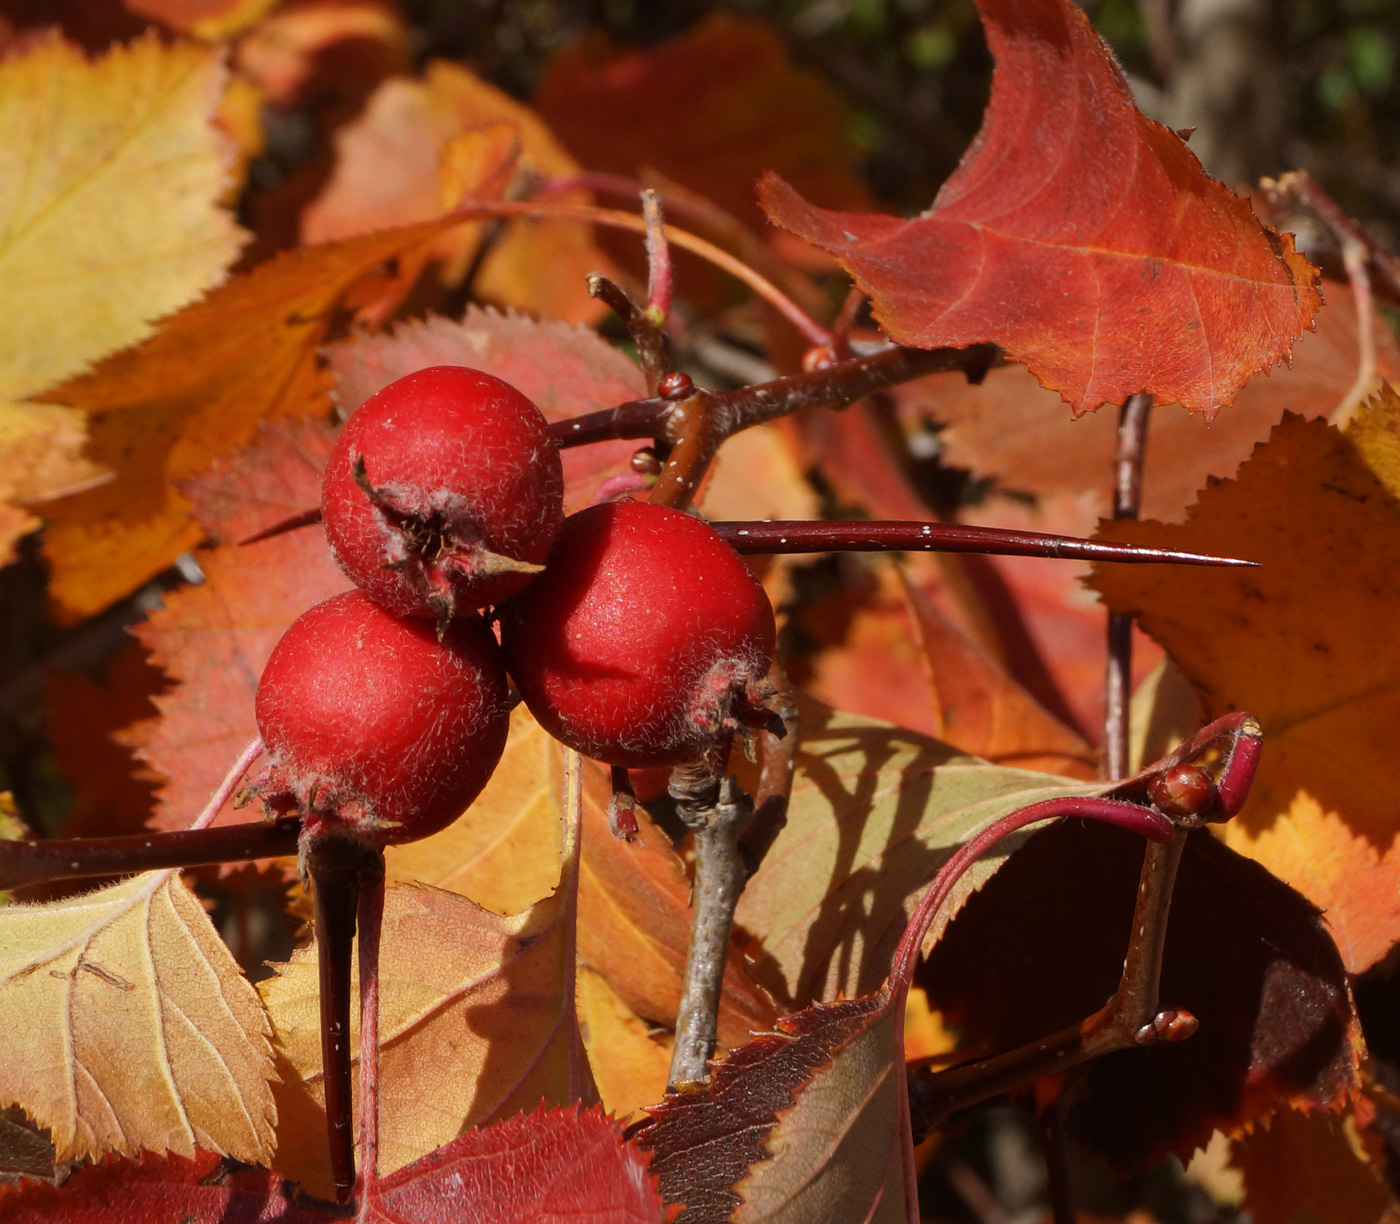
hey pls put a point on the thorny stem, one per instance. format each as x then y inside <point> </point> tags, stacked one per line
<point>790,536</point>
<point>842,382</point>
<point>1125,1021</point>
<point>1230,748</point>
<point>1127,498</point>
<point>716,809</point>
<point>371,923</point>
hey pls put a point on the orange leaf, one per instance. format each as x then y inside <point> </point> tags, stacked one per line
<point>402,156</point>
<point>195,390</point>
<point>1079,235</point>
<point>1307,643</point>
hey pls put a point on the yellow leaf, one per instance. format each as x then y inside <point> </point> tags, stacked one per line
<point>875,811</point>
<point>504,852</point>
<point>128,1025</point>
<point>1307,643</point>
<point>196,390</point>
<point>394,163</point>
<point>631,1061</point>
<point>476,1022</point>
<point>110,173</point>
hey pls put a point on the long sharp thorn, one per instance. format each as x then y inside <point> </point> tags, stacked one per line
<point>800,536</point>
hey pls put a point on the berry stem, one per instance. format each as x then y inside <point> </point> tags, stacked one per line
<point>371,924</point>
<point>1127,497</point>
<point>789,536</point>
<point>333,864</point>
<point>717,810</point>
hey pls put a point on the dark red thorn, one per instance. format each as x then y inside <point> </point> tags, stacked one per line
<point>911,535</point>
<point>78,858</point>
<point>305,518</point>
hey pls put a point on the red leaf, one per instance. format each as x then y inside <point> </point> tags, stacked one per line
<point>1081,236</point>
<point>556,1164</point>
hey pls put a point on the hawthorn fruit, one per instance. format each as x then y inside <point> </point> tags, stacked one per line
<point>444,491</point>
<point>645,642</point>
<point>374,725</point>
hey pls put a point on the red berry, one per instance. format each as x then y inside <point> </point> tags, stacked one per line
<point>645,642</point>
<point>373,723</point>
<point>444,491</point>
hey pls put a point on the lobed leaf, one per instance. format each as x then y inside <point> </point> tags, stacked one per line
<point>1307,643</point>
<point>130,1026</point>
<point>1079,235</point>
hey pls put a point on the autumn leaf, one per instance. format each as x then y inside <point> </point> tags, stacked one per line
<point>1079,235</point>
<point>1008,427</point>
<point>212,640</point>
<point>903,658</point>
<point>1300,1163</point>
<point>129,1025</point>
<point>394,162</point>
<point>1244,952</point>
<point>42,456</point>
<point>505,855</point>
<point>110,176</point>
<point>710,109</point>
<point>631,1059</point>
<point>553,1163</point>
<point>164,410</point>
<point>1307,643</point>
<point>563,369</point>
<point>476,1017</point>
<point>875,810</point>
<point>205,19</point>
<point>799,1124</point>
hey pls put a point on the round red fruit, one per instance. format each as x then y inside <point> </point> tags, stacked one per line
<point>443,491</point>
<point>645,642</point>
<point>373,724</point>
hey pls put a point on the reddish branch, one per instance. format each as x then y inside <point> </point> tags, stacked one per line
<point>1127,498</point>
<point>1228,751</point>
